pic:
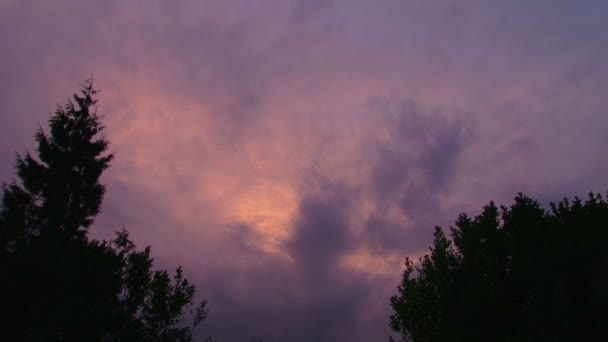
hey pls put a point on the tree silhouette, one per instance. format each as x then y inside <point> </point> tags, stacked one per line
<point>59,285</point>
<point>518,273</point>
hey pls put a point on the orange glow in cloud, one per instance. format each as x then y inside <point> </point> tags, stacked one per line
<point>269,208</point>
<point>372,264</point>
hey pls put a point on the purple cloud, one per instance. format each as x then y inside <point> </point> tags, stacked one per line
<point>290,154</point>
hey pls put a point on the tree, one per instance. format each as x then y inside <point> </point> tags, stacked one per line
<point>511,274</point>
<point>59,285</point>
<point>60,193</point>
<point>151,304</point>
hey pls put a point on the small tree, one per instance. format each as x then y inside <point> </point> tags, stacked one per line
<point>152,306</point>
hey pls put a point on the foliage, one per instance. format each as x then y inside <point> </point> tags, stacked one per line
<point>59,285</point>
<point>514,273</point>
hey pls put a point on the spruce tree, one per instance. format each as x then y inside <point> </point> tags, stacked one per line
<point>60,192</point>
<point>57,284</point>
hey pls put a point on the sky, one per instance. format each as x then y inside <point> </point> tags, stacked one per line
<point>289,154</point>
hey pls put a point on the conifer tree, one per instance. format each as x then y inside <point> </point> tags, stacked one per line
<point>518,273</point>
<point>57,284</point>
<point>60,193</point>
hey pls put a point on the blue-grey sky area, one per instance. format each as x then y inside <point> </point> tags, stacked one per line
<point>289,154</point>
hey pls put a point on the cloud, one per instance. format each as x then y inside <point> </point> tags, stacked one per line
<point>290,154</point>
<point>309,295</point>
<point>321,235</point>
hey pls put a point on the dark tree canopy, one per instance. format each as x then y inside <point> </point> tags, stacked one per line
<point>60,193</point>
<point>56,283</point>
<point>519,273</point>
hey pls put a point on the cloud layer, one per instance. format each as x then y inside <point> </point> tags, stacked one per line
<point>290,154</point>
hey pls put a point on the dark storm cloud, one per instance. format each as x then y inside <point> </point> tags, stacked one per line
<point>412,169</point>
<point>321,234</point>
<point>308,297</point>
<point>419,140</point>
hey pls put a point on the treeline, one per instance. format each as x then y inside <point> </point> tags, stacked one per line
<point>518,273</point>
